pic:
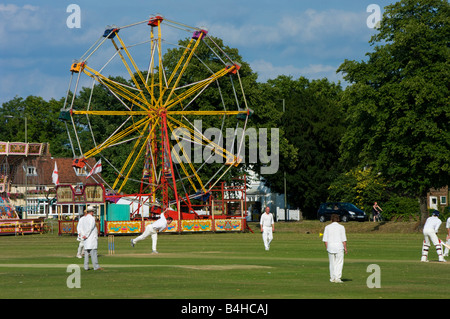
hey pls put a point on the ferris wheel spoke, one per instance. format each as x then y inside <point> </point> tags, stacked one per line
<point>137,70</point>
<point>185,171</point>
<point>151,66</point>
<point>126,64</point>
<point>198,88</point>
<point>187,159</point>
<point>118,88</point>
<point>116,113</point>
<point>180,74</point>
<point>117,136</point>
<point>161,71</point>
<point>208,113</point>
<point>138,156</point>
<point>120,99</point>
<point>198,137</point>
<point>130,156</point>
<point>180,62</point>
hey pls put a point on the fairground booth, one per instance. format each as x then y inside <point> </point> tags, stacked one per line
<point>122,215</point>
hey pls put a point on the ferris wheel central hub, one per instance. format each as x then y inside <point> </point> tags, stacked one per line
<point>162,111</point>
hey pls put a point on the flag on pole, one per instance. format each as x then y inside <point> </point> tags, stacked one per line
<point>96,169</point>
<point>55,175</point>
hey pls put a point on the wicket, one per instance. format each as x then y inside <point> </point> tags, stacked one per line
<point>110,244</point>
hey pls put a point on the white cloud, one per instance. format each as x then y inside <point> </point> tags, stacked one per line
<point>303,27</point>
<point>30,7</point>
<point>311,43</point>
<point>30,28</point>
<point>8,8</point>
<point>266,70</point>
<point>14,18</point>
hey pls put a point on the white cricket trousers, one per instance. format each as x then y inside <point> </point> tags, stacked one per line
<point>267,236</point>
<point>94,259</point>
<point>147,232</point>
<point>336,265</point>
<point>80,248</point>
<point>431,237</point>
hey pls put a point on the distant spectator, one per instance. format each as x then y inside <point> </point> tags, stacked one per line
<point>376,212</point>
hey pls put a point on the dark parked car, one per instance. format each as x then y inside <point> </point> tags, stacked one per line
<point>346,211</point>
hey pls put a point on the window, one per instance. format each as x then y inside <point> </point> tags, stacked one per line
<point>31,171</point>
<point>81,171</point>
<point>433,202</point>
<point>443,200</point>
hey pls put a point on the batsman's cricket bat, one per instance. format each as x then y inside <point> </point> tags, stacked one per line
<point>444,244</point>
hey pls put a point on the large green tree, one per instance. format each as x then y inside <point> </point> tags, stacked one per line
<point>398,101</point>
<point>311,126</point>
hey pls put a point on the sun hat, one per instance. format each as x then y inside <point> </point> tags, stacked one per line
<point>89,209</point>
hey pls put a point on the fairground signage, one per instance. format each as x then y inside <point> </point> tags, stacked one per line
<point>86,194</point>
<point>18,148</point>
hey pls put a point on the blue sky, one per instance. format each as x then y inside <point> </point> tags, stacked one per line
<point>309,38</point>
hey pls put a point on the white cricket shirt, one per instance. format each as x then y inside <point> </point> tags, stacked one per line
<point>433,223</point>
<point>266,220</point>
<point>160,224</point>
<point>334,235</point>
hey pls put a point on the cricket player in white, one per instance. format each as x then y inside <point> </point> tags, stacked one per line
<point>267,227</point>
<point>448,236</point>
<point>89,233</point>
<point>335,241</point>
<point>153,229</point>
<point>429,232</point>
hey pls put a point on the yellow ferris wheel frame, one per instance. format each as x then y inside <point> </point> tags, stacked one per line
<point>153,100</point>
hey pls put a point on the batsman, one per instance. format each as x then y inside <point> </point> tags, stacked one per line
<point>430,231</point>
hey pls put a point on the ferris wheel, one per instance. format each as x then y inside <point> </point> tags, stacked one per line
<point>178,76</point>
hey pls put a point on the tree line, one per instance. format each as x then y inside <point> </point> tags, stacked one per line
<point>384,137</point>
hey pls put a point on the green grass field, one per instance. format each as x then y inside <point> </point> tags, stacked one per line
<point>227,266</point>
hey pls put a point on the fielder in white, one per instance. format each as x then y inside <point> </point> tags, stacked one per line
<point>335,241</point>
<point>429,232</point>
<point>267,227</point>
<point>448,237</point>
<point>153,229</point>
